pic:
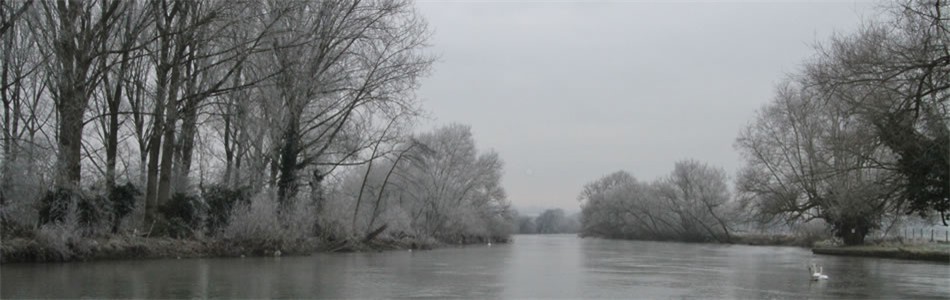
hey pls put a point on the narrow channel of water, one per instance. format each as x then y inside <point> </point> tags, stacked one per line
<point>556,266</point>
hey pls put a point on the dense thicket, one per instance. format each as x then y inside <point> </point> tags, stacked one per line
<point>193,115</point>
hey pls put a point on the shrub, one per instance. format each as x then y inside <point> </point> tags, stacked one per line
<point>298,222</point>
<point>60,240</point>
<point>182,215</point>
<point>122,199</point>
<point>221,201</point>
<point>54,205</point>
<point>93,211</point>
<point>807,234</point>
<point>54,241</point>
<point>336,217</point>
<point>256,220</point>
<point>260,225</point>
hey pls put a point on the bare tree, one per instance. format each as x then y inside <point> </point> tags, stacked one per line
<point>435,185</point>
<point>27,115</point>
<point>809,158</point>
<point>601,205</point>
<point>20,70</point>
<point>128,37</point>
<point>344,61</point>
<point>74,31</point>
<point>894,74</point>
<point>697,193</point>
<point>12,12</point>
<point>196,55</point>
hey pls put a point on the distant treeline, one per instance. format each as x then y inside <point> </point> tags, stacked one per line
<point>548,222</point>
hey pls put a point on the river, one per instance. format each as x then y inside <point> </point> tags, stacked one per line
<point>552,266</point>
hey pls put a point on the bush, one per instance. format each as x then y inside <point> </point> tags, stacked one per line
<point>336,217</point>
<point>93,209</point>
<point>122,199</point>
<point>261,226</point>
<point>55,241</point>
<point>60,240</point>
<point>299,221</point>
<point>221,201</point>
<point>256,220</point>
<point>181,216</point>
<point>54,205</point>
<point>807,234</point>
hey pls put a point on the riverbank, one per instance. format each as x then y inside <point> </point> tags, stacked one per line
<point>939,252</point>
<point>24,250</point>
<point>735,239</point>
<point>929,252</point>
<point>772,240</point>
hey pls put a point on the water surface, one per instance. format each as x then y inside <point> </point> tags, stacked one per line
<point>554,266</point>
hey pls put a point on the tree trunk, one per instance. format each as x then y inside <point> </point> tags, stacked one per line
<point>71,109</point>
<point>168,130</point>
<point>187,141</point>
<point>287,183</point>
<point>852,233</point>
<point>113,101</point>
<point>228,149</point>
<point>72,97</point>
<point>316,190</point>
<point>154,148</point>
<point>168,148</point>
<point>155,139</point>
<point>112,145</point>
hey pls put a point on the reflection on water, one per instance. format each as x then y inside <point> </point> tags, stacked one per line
<point>559,266</point>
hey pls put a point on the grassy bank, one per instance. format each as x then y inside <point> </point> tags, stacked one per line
<point>928,252</point>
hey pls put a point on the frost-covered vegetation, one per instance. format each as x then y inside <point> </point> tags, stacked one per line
<point>855,140</point>
<point>262,125</point>
<point>438,185</point>
<point>692,204</point>
<point>861,133</point>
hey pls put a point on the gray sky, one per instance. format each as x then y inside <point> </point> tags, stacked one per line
<point>569,91</point>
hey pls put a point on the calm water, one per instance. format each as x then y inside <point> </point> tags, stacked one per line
<point>559,266</point>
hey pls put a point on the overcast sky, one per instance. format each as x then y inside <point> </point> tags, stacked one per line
<point>567,92</point>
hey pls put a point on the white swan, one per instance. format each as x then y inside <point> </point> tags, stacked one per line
<point>817,272</point>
